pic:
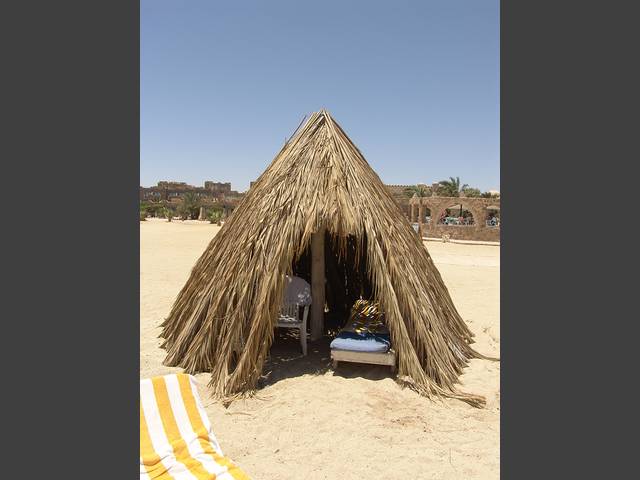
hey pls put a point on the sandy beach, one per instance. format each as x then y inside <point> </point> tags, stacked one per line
<point>308,421</point>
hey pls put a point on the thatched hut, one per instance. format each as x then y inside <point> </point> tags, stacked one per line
<point>318,187</point>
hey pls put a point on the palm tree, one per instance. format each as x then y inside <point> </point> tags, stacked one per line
<point>452,188</point>
<point>190,205</point>
<point>418,190</point>
<point>165,212</point>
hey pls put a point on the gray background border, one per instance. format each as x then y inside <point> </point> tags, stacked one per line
<point>567,135</point>
<point>70,336</point>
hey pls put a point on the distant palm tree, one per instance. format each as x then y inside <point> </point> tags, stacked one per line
<point>190,206</point>
<point>166,213</point>
<point>419,190</point>
<point>472,192</point>
<point>452,188</point>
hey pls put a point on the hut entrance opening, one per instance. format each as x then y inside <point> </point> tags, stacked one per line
<point>346,277</point>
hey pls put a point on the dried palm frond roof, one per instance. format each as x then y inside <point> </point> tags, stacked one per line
<point>230,302</point>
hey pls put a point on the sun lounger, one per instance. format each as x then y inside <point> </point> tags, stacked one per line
<point>361,342</point>
<point>354,344</point>
<point>176,439</point>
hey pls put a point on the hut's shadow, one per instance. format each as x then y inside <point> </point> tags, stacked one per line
<point>285,360</point>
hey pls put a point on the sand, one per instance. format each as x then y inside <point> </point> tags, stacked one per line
<point>309,422</point>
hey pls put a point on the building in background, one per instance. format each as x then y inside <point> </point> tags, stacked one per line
<point>173,191</point>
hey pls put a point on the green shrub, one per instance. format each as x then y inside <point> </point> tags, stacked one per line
<point>165,212</point>
<point>215,216</point>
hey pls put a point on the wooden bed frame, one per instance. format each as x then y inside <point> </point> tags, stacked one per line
<point>387,358</point>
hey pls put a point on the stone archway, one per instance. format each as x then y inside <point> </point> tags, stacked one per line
<point>492,216</point>
<point>436,206</point>
<point>459,212</point>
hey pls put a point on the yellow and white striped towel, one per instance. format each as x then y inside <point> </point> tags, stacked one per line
<point>176,439</point>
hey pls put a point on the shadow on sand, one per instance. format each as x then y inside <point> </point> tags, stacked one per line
<point>286,361</point>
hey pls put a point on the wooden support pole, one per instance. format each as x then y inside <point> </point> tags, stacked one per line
<point>317,284</point>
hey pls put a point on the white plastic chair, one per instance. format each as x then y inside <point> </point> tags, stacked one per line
<point>297,294</point>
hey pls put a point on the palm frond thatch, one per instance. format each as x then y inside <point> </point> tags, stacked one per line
<point>223,319</point>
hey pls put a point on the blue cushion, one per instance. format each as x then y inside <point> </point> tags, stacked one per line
<point>362,342</point>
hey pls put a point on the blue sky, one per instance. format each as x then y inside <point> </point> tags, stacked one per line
<point>415,85</point>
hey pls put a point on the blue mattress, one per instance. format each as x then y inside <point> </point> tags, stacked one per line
<point>362,342</point>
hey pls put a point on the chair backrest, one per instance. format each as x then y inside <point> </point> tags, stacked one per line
<point>296,292</point>
<point>290,310</point>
